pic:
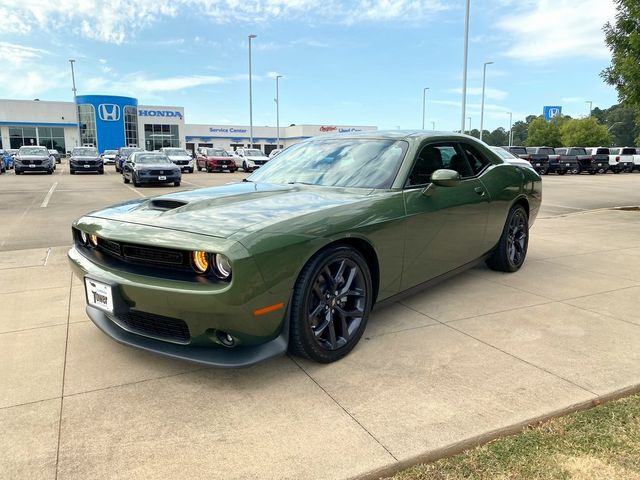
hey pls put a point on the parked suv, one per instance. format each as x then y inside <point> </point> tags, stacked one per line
<point>180,157</point>
<point>214,159</point>
<point>33,159</point>
<point>123,154</point>
<point>85,159</point>
<point>252,158</point>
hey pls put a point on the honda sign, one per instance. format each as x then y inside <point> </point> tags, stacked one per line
<point>109,112</point>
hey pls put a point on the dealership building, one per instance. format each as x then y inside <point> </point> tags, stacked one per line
<point>109,122</point>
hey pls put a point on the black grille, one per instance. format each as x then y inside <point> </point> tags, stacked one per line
<point>112,247</point>
<point>182,162</point>
<point>159,172</point>
<point>156,325</point>
<point>259,162</point>
<point>154,255</point>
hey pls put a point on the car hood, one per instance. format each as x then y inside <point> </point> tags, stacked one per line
<point>156,166</point>
<point>179,157</point>
<point>223,211</point>
<point>85,157</point>
<point>218,158</point>
<point>256,158</point>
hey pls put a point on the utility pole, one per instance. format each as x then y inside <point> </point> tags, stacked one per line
<point>75,101</point>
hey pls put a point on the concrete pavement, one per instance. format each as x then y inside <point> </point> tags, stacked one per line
<point>468,358</point>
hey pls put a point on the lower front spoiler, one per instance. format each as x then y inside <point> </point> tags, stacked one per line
<point>217,357</point>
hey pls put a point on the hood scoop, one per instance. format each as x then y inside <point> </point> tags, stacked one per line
<point>166,204</point>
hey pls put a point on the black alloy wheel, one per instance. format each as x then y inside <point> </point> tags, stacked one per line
<point>330,305</point>
<point>511,251</point>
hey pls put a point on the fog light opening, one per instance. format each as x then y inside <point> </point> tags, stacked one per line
<point>225,339</point>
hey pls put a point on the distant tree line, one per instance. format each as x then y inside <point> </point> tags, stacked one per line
<point>616,126</point>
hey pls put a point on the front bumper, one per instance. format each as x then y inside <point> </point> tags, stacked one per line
<point>86,167</point>
<point>204,308</point>
<point>45,166</point>
<point>168,178</point>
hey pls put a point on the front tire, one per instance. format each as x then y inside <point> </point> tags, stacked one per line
<point>330,305</point>
<point>136,183</point>
<point>176,184</point>
<point>511,251</point>
<point>125,179</point>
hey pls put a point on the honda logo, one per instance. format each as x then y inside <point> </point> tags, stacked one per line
<point>554,112</point>
<point>109,112</point>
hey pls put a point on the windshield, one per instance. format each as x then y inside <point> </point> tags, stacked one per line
<point>502,153</point>
<point>548,151</point>
<point>251,152</point>
<point>517,150</point>
<point>176,151</point>
<point>614,151</point>
<point>152,158</point>
<point>110,152</point>
<point>84,152</point>
<point>362,163</point>
<point>33,151</point>
<point>216,152</point>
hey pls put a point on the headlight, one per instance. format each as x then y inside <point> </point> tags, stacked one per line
<point>200,261</point>
<point>93,240</point>
<point>223,266</point>
<point>84,237</point>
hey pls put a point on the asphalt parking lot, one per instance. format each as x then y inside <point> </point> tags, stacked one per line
<point>472,357</point>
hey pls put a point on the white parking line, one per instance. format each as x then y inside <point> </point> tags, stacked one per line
<point>191,183</point>
<point>45,202</point>
<point>134,190</point>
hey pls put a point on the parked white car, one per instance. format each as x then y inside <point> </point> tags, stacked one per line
<point>109,157</point>
<point>252,158</point>
<point>623,158</point>
<point>180,157</point>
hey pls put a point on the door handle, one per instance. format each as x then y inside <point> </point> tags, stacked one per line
<point>479,190</point>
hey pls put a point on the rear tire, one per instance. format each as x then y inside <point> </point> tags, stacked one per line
<point>511,251</point>
<point>330,305</point>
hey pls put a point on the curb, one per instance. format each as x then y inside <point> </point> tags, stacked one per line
<point>459,447</point>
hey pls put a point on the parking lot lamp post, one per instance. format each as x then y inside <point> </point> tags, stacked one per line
<point>252,36</point>
<point>469,118</point>
<point>277,99</point>
<point>75,101</point>
<point>464,66</point>
<point>424,104</point>
<point>484,82</point>
<point>433,124</point>
<point>510,127</point>
<point>590,102</point>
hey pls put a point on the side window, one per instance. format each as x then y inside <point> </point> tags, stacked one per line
<point>475,161</point>
<point>430,158</point>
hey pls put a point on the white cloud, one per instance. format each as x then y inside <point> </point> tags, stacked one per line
<point>548,30</point>
<point>17,55</point>
<point>114,21</point>
<point>490,93</point>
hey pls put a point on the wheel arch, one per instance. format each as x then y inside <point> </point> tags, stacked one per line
<point>523,202</point>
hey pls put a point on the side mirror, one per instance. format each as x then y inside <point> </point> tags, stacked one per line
<point>446,178</point>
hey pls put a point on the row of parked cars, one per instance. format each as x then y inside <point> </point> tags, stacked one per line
<point>577,160</point>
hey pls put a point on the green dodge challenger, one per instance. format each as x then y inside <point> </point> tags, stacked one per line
<point>295,256</point>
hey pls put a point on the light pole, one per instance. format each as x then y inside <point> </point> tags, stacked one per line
<point>464,67</point>
<point>484,81</point>
<point>469,118</point>
<point>433,125</point>
<point>252,36</point>
<point>277,99</point>
<point>590,102</point>
<point>510,127</point>
<point>75,101</point>
<point>424,103</point>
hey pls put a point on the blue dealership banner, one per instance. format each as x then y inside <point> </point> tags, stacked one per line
<point>109,113</point>
<point>551,111</point>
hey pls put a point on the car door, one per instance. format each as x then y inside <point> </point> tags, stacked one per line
<point>444,226</point>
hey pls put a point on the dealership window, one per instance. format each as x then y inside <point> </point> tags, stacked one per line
<point>87,116</point>
<point>131,126</point>
<point>157,136</point>
<point>52,138</point>
<point>19,136</point>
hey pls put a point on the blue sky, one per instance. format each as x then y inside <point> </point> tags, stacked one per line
<point>362,62</point>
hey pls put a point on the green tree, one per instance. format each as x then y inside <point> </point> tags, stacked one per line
<point>520,131</point>
<point>623,39</point>
<point>499,137</point>
<point>544,133</point>
<point>584,132</point>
